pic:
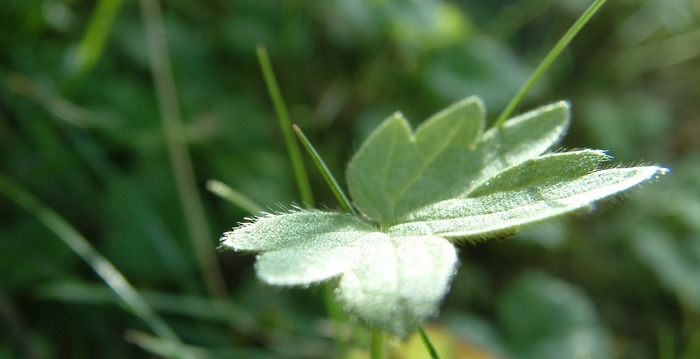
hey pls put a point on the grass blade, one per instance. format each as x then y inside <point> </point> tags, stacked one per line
<point>327,175</point>
<point>239,199</point>
<point>177,149</point>
<point>144,215</point>
<point>286,126</point>
<point>92,45</point>
<point>332,307</point>
<point>428,345</point>
<point>109,274</point>
<point>548,60</point>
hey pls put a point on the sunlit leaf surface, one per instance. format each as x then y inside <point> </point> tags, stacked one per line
<point>419,190</point>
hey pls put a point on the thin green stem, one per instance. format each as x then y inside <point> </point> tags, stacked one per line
<point>239,199</point>
<point>299,171</point>
<point>377,346</point>
<point>93,42</point>
<point>548,60</point>
<point>109,274</point>
<point>332,306</point>
<point>177,148</point>
<point>286,126</point>
<point>325,172</point>
<point>427,343</point>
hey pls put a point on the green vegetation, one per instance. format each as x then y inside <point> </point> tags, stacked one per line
<point>447,181</point>
<point>111,132</point>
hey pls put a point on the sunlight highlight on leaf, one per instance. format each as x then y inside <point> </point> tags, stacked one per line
<point>396,172</point>
<point>446,180</point>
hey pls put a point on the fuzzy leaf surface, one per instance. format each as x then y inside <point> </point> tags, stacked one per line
<point>389,283</point>
<point>397,171</point>
<point>399,282</point>
<point>302,247</point>
<point>447,180</point>
<point>536,190</point>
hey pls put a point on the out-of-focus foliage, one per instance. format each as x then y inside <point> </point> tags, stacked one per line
<point>80,128</point>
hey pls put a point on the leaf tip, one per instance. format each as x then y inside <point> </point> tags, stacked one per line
<point>655,172</point>
<point>225,242</point>
<point>563,104</point>
<point>398,115</point>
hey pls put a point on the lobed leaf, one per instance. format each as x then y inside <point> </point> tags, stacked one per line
<point>390,283</point>
<point>395,172</point>
<point>302,247</point>
<point>449,179</point>
<point>389,170</point>
<point>542,170</point>
<point>532,199</point>
<point>399,283</point>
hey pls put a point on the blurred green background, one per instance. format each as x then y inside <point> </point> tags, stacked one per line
<point>80,128</point>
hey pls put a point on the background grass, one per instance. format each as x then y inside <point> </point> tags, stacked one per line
<point>80,128</point>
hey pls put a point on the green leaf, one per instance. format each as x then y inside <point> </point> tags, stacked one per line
<point>391,283</point>
<point>536,190</point>
<point>449,179</point>
<point>388,171</point>
<point>395,172</point>
<point>399,283</point>
<point>301,247</point>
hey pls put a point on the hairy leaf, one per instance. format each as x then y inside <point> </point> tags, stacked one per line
<point>302,247</point>
<point>390,283</point>
<point>448,180</point>
<point>395,171</point>
<point>399,283</point>
<point>528,193</point>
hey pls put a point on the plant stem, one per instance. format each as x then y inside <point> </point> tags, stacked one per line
<point>327,175</point>
<point>109,274</point>
<point>377,349</point>
<point>548,60</point>
<point>427,343</point>
<point>329,300</point>
<point>286,126</point>
<point>93,42</point>
<point>177,148</point>
<point>299,171</point>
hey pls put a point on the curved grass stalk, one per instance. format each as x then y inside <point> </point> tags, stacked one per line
<point>94,40</point>
<point>109,274</point>
<point>303,183</point>
<point>548,60</point>
<point>93,155</point>
<point>286,126</point>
